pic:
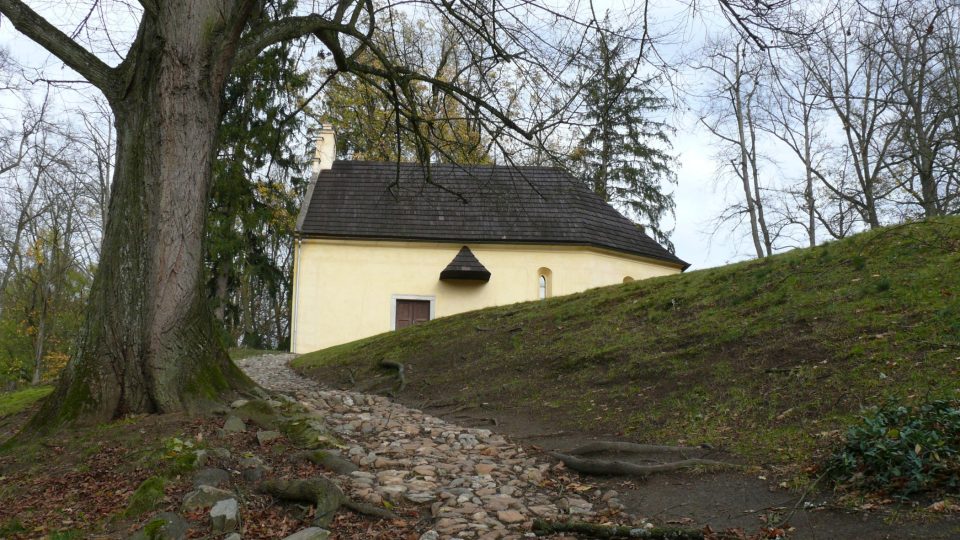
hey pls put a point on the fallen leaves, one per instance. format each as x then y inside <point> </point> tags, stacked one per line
<point>54,498</point>
<point>944,506</point>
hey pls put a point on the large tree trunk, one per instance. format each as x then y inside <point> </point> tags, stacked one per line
<point>149,344</point>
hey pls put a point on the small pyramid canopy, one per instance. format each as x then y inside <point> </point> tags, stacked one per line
<point>465,266</point>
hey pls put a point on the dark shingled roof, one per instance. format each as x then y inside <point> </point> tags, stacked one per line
<point>465,266</point>
<point>464,204</point>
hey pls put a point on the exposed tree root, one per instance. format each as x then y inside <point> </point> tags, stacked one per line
<point>629,448</point>
<point>604,467</point>
<point>461,408</point>
<point>478,421</point>
<point>592,530</point>
<point>321,492</point>
<point>370,384</point>
<point>369,509</point>
<point>328,459</point>
<point>541,435</point>
<point>390,364</point>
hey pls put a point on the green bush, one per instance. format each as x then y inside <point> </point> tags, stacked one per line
<point>902,451</point>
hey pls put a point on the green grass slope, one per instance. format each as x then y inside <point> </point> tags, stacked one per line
<point>766,358</point>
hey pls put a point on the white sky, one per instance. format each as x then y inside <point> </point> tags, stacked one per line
<point>698,197</point>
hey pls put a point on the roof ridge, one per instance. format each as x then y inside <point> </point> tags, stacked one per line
<point>469,203</point>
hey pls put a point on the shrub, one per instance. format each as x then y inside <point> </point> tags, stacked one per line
<point>902,451</point>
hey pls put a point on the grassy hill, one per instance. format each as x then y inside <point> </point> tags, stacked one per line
<point>767,358</point>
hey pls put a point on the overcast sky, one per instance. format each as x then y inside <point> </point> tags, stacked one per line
<point>698,196</point>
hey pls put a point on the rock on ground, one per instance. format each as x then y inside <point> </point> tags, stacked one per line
<point>174,527</point>
<point>224,515</point>
<point>313,533</point>
<point>204,497</point>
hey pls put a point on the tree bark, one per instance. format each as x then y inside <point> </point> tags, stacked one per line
<point>149,343</point>
<point>38,341</point>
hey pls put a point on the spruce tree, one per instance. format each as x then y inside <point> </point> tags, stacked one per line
<point>623,153</point>
<point>257,178</point>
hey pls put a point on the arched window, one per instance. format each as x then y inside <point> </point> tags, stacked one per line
<point>544,283</point>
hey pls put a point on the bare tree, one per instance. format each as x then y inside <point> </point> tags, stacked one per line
<point>795,116</point>
<point>917,41</point>
<point>732,109</point>
<point>23,191</point>
<point>844,58</point>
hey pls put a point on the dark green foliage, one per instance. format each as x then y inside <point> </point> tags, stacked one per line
<point>902,450</point>
<point>257,183</point>
<point>622,155</point>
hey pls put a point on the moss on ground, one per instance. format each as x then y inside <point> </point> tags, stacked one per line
<point>146,498</point>
<point>259,412</point>
<point>766,358</point>
<point>20,400</point>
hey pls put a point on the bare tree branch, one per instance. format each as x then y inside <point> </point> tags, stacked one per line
<point>60,45</point>
<point>286,29</point>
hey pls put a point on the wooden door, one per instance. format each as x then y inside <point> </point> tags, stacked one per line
<point>412,312</point>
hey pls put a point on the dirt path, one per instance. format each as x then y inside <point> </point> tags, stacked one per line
<point>721,500</point>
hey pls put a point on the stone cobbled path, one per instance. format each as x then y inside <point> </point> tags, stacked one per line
<point>478,484</point>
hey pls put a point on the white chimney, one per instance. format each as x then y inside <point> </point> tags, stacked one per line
<point>323,156</point>
<point>326,150</point>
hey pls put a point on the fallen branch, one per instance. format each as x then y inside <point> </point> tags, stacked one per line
<point>800,501</point>
<point>629,448</point>
<point>390,364</point>
<point>544,528</point>
<point>604,467</point>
